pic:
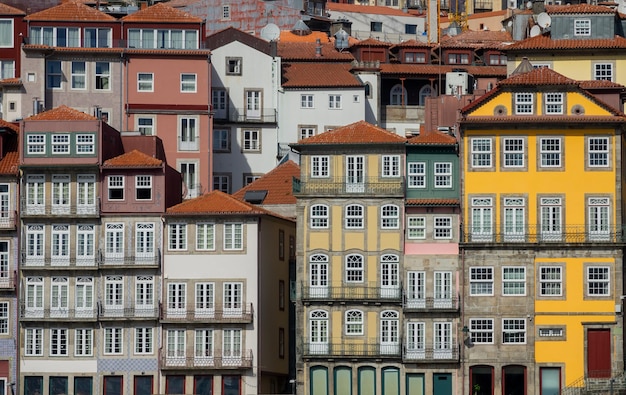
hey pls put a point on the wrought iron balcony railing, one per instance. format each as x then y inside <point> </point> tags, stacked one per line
<point>47,209</point>
<point>352,186</point>
<point>363,349</point>
<point>206,361</point>
<point>243,115</point>
<point>152,259</point>
<point>366,291</point>
<point>537,234</point>
<point>28,313</point>
<point>8,219</point>
<point>58,262</point>
<point>107,312</point>
<point>7,281</point>
<point>429,304</point>
<point>242,315</point>
<point>431,354</point>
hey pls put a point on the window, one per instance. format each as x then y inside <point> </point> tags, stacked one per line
<point>598,281</point>
<point>204,347</point>
<point>5,212</point>
<point>60,249</point>
<point>83,342</point>
<point>232,298</point>
<point>36,144</point>
<point>550,151</point>
<point>281,343</point>
<point>376,26</point>
<point>281,295</point>
<point>233,236</point>
<point>144,295</point>
<point>188,133</point>
<point>443,227</point>
<point>143,340</point>
<point>178,237</point>
<point>250,178</point>
<point>113,341</point>
<point>391,166</point>
<point>458,58</point>
<point>79,76</point>
<point>390,216</point>
<point>190,178</point>
<point>414,57</point>
<point>354,268</point>
<point>6,33</point>
<point>551,218</point>
<point>582,27</point>
<point>233,66</point>
<point>416,228</point>
<point>221,140</point>
<point>221,183</point>
<point>85,143</point>
<point>550,281</point>
<point>143,187</point>
<point>176,298</point>
<point>84,297</point>
<point>319,216</point>
<point>226,11</point>
<point>145,82</point>
<point>175,346</point>
<point>59,293</point>
<point>599,220</point>
<point>35,243</point>
<point>481,281</point>
<point>389,339</point>
<point>231,350</point>
<point>60,190</point>
<point>307,131</point>
<point>103,76</point>
<point>415,340</point>
<point>551,332</point>
<point>55,36</point>
<point>34,297</point>
<point>443,175</point>
<point>33,344</point>
<point>354,216</point>
<point>319,166</point>
<point>481,152</point>
<point>513,331</point>
<point>481,330</point>
<point>281,244</point>
<point>220,103</point>
<point>205,236</point>
<point>144,242</point>
<point>513,149</point>
<point>4,318</point>
<point>97,37</point>
<point>306,101</point>
<point>497,59</point>
<point>145,126</point>
<point>163,38</point>
<point>334,102</point>
<point>116,187</point>
<point>58,342</point>
<point>603,71</point>
<point>417,175</point>
<point>114,293</point>
<point>114,248</point>
<point>354,322</point>
<point>54,74</point>
<point>251,140</point>
<point>553,102</point>
<point>205,298</point>
<point>60,143</point>
<point>513,281</point>
<point>188,83</point>
<point>598,152</point>
<point>524,103</point>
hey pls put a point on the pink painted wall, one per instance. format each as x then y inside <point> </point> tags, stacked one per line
<point>431,248</point>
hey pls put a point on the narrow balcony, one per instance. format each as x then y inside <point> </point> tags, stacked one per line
<point>29,313</point>
<point>242,315</point>
<point>30,261</point>
<point>120,260</point>
<point>7,281</point>
<point>60,210</point>
<point>538,234</point>
<point>343,292</point>
<point>115,312</point>
<point>243,115</point>
<point>372,348</point>
<point>403,113</point>
<point>178,360</point>
<point>444,354</point>
<point>431,304</point>
<point>8,220</point>
<point>349,186</point>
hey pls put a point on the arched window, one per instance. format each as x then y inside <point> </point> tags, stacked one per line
<point>389,216</point>
<point>354,216</point>
<point>354,322</point>
<point>389,332</point>
<point>318,276</point>
<point>397,95</point>
<point>354,268</point>
<point>368,90</point>
<point>425,91</point>
<point>318,331</point>
<point>319,216</point>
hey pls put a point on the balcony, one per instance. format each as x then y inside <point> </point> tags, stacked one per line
<point>7,281</point>
<point>114,312</point>
<point>58,262</point>
<point>403,114</point>
<point>431,304</point>
<point>50,210</point>
<point>243,115</point>
<point>8,220</point>
<point>371,292</point>
<point>536,234</point>
<point>119,260</point>
<point>349,186</point>
<point>204,362</point>
<point>243,315</point>
<point>57,314</point>
<point>372,348</point>
<point>431,355</point>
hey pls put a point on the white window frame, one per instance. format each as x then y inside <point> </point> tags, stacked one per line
<point>390,166</point>
<point>550,281</point>
<point>83,342</point>
<point>33,342</point>
<point>7,29</point>
<point>513,281</point>
<point>513,149</point>
<point>442,228</point>
<point>205,236</point>
<point>61,191</point>
<point>443,175</point>
<point>582,27</point>
<point>145,125</point>
<point>416,228</point>
<point>113,340</point>
<point>177,236</point>
<point>390,216</point>
<point>524,103</point>
<point>599,218</point>
<point>355,268</point>
<point>334,102</point>
<point>251,140</point>
<point>320,166</point>
<point>78,80</point>
<point>482,152</point>
<point>307,131</point>
<point>143,183</point>
<point>603,71</point>
<point>102,77</point>
<point>116,183</point>
<point>36,144</point>
<point>145,82</point>
<point>4,318</point>
<point>554,102</point>
<point>551,149</point>
<point>85,144</point>
<point>60,144</point>
<point>513,331</point>
<point>188,133</point>
<point>417,174</point>
<point>354,323</point>
<point>482,330</point>
<point>114,241</point>
<point>598,149</point>
<point>319,216</point>
<point>58,342</point>
<point>354,216</point>
<point>598,281</point>
<point>144,340</point>
<point>189,171</point>
<point>307,101</point>
<point>481,280</point>
<point>114,293</point>
<point>233,236</point>
<point>188,83</point>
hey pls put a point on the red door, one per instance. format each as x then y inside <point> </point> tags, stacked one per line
<point>598,353</point>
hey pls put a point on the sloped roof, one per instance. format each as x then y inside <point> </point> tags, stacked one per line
<point>9,164</point>
<point>544,42</point>
<point>412,44</point>
<point>598,84</point>
<point>478,39</point>
<point>360,132</point>
<point>217,203</point>
<point>70,11</point>
<point>305,51</point>
<point>62,113</point>
<point>432,202</point>
<point>231,34</point>
<point>309,75</point>
<point>432,138</point>
<point>11,81</point>
<point>365,9</point>
<point>161,12</point>
<point>277,183</point>
<point>9,125</point>
<point>538,76</point>
<point>289,36</point>
<point>133,158</point>
<point>8,10</point>
<point>433,69</point>
<point>372,42</point>
<point>582,8</point>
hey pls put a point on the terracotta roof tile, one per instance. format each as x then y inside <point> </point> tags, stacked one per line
<point>216,202</point>
<point>9,125</point>
<point>277,183</point>
<point>538,76</point>
<point>70,11</point>
<point>433,69</point>
<point>119,50</point>
<point>595,84</point>
<point>161,12</point>
<point>9,164</point>
<point>365,9</point>
<point>62,113</point>
<point>545,43</point>
<point>478,39</point>
<point>286,36</point>
<point>360,132</point>
<point>305,51</point>
<point>11,81</point>
<point>335,75</point>
<point>372,42</point>
<point>8,10</point>
<point>432,202</point>
<point>181,3</point>
<point>412,44</point>
<point>578,9</point>
<point>133,158</point>
<point>432,138</point>
<point>546,119</point>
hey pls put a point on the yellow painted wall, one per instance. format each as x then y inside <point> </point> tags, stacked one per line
<point>578,68</point>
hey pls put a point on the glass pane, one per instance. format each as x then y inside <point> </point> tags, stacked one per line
<point>175,384</point>
<point>33,385</point>
<point>143,385</point>
<point>113,385</point>
<point>203,385</point>
<point>83,385</point>
<point>58,385</point>
<point>367,381</point>
<point>231,385</point>
<point>550,381</point>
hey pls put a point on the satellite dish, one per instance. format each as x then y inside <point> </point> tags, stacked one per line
<point>529,5</point>
<point>544,20</point>
<point>535,31</point>
<point>509,23</point>
<point>270,32</point>
<point>621,6</point>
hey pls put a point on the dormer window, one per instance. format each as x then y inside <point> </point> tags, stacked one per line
<point>414,57</point>
<point>523,103</point>
<point>582,27</point>
<point>458,58</point>
<point>553,102</point>
<point>233,66</point>
<point>497,59</point>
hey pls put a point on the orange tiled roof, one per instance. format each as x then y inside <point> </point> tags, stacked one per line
<point>217,202</point>
<point>412,44</point>
<point>119,50</point>
<point>62,113</point>
<point>181,3</point>
<point>277,183</point>
<point>9,125</point>
<point>8,10</point>
<point>161,12</point>
<point>478,39</point>
<point>365,9</point>
<point>372,42</point>
<point>432,138</point>
<point>552,119</point>
<point>432,202</point>
<point>360,132</point>
<point>70,11</point>
<point>133,158</point>
<point>286,36</point>
<point>545,43</point>
<point>305,51</point>
<point>595,84</point>
<point>538,76</point>
<point>433,69</point>
<point>11,81</point>
<point>578,9</point>
<point>335,75</point>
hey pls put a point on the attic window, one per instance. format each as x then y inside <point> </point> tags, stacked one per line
<point>255,197</point>
<point>582,27</point>
<point>414,57</point>
<point>376,26</point>
<point>233,66</point>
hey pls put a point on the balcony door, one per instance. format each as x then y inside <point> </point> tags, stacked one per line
<point>318,325</point>
<point>389,341</point>
<point>390,284</point>
<point>253,104</point>
<point>319,276</point>
<point>355,174</point>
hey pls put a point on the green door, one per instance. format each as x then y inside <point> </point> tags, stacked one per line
<point>442,384</point>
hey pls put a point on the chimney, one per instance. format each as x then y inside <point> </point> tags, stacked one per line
<point>318,48</point>
<point>143,5</point>
<point>36,107</point>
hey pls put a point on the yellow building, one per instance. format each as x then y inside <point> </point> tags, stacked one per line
<point>542,241</point>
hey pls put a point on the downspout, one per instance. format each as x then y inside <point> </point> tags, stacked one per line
<point>124,97</point>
